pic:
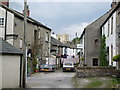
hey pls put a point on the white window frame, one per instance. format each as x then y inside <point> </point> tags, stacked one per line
<point>2,22</point>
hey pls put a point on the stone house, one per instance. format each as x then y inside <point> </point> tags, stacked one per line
<point>57,50</point>
<point>91,36</point>
<point>10,66</point>
<point>111,29</point>
<point>37,35</point>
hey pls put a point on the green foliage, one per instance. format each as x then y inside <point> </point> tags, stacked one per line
<point>34,62</point>
<point>116,58</point>
<point>82,59</point>
<point>115,81</point>
<point>76,40</point>
<point>94,84</point>
<point>103,52</point>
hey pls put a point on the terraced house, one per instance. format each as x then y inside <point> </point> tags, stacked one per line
<point>92,38</point>
<point>111,30</point>
<point>37,35</point>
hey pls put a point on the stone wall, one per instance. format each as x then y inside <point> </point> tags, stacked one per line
<point>97,72</point>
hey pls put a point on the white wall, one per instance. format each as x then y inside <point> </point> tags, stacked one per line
<point>2,29</point>
<point>111,39</point>
<point>10,71</point>
<point>0,72</point>
<point>10,24</point>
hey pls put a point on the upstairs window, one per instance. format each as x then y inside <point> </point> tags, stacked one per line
<point>46,36</point>
<point>96,42</point>
<point>112,25</point>
<point>2,21</point>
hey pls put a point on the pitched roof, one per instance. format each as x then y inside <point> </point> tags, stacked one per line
<point>71,45</point>
<point>98,23</point>
<point>117,6</point>
<point>8,49</point>
<point>20,15</point>
<point>56,42</point>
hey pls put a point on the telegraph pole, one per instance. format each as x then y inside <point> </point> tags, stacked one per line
<point>24,44</point>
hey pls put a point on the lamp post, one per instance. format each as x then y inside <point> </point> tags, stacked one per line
<point>24,44</point>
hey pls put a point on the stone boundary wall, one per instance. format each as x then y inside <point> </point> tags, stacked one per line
<point>97,72</point>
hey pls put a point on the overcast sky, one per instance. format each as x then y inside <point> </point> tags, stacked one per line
<point>65,17</point>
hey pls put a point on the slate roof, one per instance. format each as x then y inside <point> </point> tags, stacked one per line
<point>98,23</point>
<point>56,42</point>
<point>8,49</point>
<point>71,45</point>
<point>20,15</point>
<point>115,8</point>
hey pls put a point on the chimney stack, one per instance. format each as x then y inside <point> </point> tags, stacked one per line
<point>28,11</point>
<point>114,3</point>
<point>5,2</point>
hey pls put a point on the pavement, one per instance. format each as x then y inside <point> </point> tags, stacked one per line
<point>57,79</point>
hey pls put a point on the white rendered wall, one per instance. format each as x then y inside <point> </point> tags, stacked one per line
<point>111,39</point>
<point>10,71</point>
<point>10,26</point>
<point>2,28</point>
<point>0,71</point>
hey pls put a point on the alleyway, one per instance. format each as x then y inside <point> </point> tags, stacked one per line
<point>57,79</point>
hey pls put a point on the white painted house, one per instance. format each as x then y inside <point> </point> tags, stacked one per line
<point>110,30</point>
<point>6,27</point>
<point>10,66</point>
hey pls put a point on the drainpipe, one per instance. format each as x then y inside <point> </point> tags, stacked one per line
<point>20,83</point>
<point>5,25</point>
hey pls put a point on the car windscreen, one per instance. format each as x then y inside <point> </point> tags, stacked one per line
<point>68,64</point>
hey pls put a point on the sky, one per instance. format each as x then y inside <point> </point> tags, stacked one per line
<point>65,17</point>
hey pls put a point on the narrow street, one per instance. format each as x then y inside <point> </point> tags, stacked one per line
<point>57,79</point>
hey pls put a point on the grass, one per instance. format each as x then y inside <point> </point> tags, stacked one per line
<point>115,81</point>
<point>93,84</point>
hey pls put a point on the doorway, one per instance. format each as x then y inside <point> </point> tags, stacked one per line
<point>95,61</point>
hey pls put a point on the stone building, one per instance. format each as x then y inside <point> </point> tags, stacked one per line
<point>64,38</point>
<point>91,36</point>
<point>38,36</point>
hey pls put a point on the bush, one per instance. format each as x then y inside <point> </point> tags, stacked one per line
<point>116,58</point>
<point>82,59</point>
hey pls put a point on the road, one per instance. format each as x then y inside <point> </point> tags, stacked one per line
<point>57,79</point>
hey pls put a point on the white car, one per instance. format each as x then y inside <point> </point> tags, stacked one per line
<point>68,66</point>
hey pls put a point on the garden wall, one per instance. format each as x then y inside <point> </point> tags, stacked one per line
<point>97,72</point>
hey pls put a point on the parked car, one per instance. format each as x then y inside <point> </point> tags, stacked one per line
<point>46,67</point>
<point>68,66</point>
<point>53,67</point>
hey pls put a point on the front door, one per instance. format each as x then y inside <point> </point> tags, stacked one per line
<point>95,61</point>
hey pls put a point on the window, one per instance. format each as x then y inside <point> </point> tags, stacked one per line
<point>1,21</point>
<point>46,36</point>
<point>103,30</point>
<point>112,25</point>
<point>21,42</point>
<point>39,34</point>
<point>35,36</point>
<point>96,42</point>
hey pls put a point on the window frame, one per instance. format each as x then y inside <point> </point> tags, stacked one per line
<point>2,21</point>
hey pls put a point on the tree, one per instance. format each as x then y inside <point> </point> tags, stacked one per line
<point>76,41</point>
<point>103,52</point>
